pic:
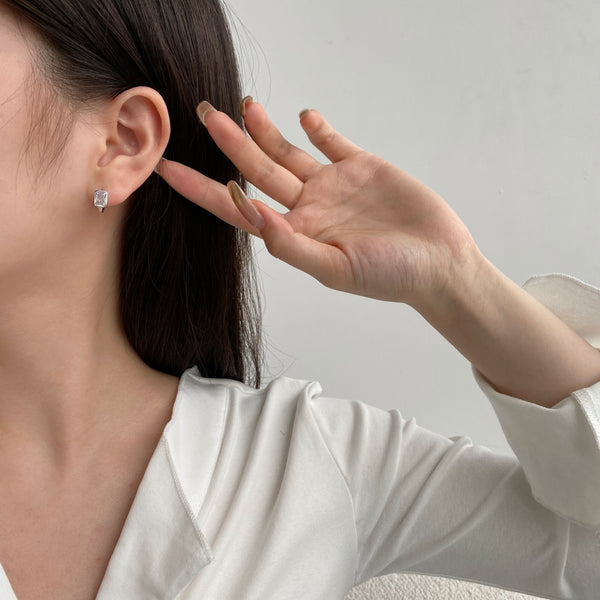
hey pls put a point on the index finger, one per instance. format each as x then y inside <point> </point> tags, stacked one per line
<point>205,192</point>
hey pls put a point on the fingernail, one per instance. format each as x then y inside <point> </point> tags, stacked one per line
<point>244,205</point>
<point>304,112</point>
<point>203,109</point>
<point>157,167</point>
<point>243,104</point>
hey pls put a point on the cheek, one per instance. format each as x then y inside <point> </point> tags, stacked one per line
<point>13,134</point>
<point>45,210</point>
<point>76,178</point>
<point>22,236</point>
<point>15,117</point>
<point>15,187</point>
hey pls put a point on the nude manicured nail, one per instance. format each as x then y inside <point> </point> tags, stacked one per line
<point>244,205</point>
<point>245,101</point>
<point>203,109</point>
<point>304,112</point>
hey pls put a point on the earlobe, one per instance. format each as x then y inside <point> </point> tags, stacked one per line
<point>136,132</point>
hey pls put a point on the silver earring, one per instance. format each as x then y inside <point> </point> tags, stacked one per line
<point>101,200</point>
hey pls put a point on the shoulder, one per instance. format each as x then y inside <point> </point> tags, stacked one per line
<point>224,433</point>
<point>282,393</point>
<point>226,409</point>
<point>284,413</point>
<point>282,399</point>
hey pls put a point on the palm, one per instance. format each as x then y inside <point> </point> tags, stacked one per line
<point>358,224</point>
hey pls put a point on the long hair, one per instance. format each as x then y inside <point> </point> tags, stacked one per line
<point>187,291</point>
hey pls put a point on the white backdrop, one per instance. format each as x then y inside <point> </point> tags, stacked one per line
<point>495,105</point>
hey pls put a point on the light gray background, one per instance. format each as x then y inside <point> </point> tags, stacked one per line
<point>495,105</point>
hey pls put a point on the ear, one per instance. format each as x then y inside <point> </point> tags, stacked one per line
<point>135,130</point>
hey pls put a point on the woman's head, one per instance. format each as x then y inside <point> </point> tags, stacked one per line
<point>108,71</point>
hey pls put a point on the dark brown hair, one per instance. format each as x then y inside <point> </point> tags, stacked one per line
<point>187,293</point>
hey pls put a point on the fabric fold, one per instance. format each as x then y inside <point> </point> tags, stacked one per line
<point>559,447</point>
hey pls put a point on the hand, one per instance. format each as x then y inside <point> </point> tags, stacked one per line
<point>364,226</point>
<point>358,224</point>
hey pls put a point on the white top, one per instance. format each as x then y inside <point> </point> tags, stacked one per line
<point>282,494</point>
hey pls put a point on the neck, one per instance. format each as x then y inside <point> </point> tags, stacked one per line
<point>68,376</point>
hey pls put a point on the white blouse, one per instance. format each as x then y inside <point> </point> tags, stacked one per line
<point>283,494</point>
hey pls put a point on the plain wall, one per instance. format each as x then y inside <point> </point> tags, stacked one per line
<point>494,105</point>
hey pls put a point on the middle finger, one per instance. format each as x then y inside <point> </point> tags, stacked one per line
<point>258,168</point>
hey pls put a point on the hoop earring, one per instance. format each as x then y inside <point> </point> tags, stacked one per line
<point>101,200</point>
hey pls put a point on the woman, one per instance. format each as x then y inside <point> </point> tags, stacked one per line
<point>135,462</point>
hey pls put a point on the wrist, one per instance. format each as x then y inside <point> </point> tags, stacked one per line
<point>514,341</point>
<point>466,279</point>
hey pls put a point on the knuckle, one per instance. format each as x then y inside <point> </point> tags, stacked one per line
<point>203,197</point>
<point>274,246</point>
<point>324,136</point>
<point>237,147</point>
<point>282,150</point>
<point>264,171</point>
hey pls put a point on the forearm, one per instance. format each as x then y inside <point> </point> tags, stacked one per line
<point>364,226</point>
<point>520,347</point>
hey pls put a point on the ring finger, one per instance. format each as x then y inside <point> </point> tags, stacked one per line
<point>269,138</point>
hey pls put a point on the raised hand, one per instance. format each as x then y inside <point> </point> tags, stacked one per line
<point>357,224</point>
<point>361,225</point>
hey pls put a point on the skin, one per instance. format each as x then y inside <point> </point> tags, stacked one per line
<point>363,226</point>
<point>62,350</point>
<point>80,413</point>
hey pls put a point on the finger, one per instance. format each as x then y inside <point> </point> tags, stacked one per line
<point>324,137</point>
<point>325,263</point>
<point>273,179</point>
<point>269,138</point>
<point>205,192</point>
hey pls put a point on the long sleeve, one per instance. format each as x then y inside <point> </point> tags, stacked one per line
<point>559,447</point>
<point>428,504</point>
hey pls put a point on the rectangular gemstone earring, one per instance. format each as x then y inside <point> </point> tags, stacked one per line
<point>101,199</point>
